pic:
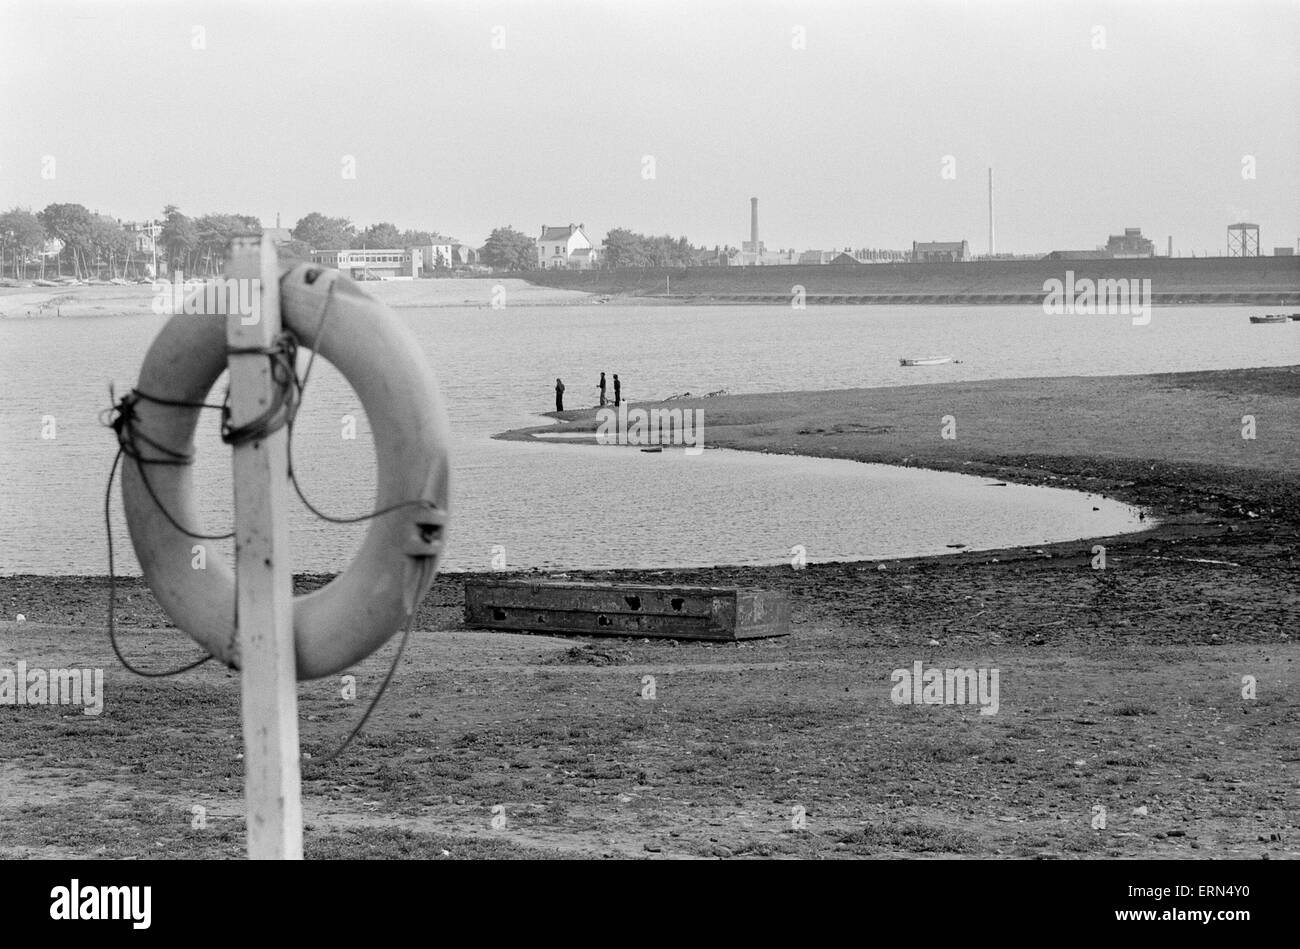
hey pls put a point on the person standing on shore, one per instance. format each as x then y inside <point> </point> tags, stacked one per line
<point>601,386</point>
<point>559,395</point>
<point>618,391</point>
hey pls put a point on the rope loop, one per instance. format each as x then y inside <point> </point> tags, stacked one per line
<point>287,392</point>
<point>122,418</point>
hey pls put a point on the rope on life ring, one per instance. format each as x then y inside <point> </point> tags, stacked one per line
<point>379,591</point>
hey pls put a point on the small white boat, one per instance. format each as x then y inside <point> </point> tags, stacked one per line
<point>925,361</point>
<point>1270,318</point>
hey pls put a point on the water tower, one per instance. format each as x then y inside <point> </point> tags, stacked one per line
<point>1243,240</point>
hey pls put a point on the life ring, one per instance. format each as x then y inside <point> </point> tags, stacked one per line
<point>357,612</point>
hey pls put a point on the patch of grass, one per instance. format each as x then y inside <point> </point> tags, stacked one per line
<point>1025,733</point>
<point>1127,760</point>
<point>910,838</point>
<point>585,655</point>
<point>1133,708</point>
<point>767,848</point>
<point>144,830</point>
<point>946,752</point>
<point>386,843</point>
<point>1079,840</point>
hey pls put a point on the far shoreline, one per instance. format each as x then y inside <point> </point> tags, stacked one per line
<point>1004,434</point>
<point>1223,282</point>
<point>1186,281</point>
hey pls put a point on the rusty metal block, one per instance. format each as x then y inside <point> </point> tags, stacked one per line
<point>617,609</point>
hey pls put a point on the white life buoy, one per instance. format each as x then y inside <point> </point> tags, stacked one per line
<point>353,615</point>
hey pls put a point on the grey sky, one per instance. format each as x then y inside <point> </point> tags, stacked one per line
<point>842,141</point>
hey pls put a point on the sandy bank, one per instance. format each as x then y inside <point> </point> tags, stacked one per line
<point>112,300</point>
<point>1170,441</point>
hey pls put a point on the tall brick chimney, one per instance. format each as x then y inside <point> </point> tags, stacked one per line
<point>753,224</point>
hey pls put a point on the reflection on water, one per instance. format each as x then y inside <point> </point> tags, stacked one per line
<point>578,506</point>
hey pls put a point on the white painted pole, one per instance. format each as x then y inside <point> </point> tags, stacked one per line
<point>265,582</point>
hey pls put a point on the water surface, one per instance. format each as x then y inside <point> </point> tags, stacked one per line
<point>567,506</point>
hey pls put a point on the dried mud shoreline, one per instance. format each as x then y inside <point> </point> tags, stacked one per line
<point>1122,689</point>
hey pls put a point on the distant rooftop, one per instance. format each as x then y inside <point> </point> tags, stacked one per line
<point>559,233</point>
<point>1079,255</point>
<point>939,245</point>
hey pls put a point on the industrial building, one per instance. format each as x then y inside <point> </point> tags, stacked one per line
<point>926,252</point>
<point>754,253</point>
<point>1130,244</point>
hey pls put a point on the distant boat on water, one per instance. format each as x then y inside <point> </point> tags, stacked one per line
<point>925,361</point>
<point>1271,318</point>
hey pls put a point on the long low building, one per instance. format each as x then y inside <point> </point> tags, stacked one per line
<point>398,263</point>
<point>381,263</point>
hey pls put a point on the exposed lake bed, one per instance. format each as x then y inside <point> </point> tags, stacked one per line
<point>1121,689</point>
<point>1121,679</point>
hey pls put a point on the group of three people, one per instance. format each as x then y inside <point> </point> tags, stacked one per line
<point>618,392</point>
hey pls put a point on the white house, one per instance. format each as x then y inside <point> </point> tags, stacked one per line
<point>564,248</point>
<point>437,255</point>
<point>446,255</point>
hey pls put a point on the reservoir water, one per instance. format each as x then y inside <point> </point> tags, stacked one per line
<point>566,506</point>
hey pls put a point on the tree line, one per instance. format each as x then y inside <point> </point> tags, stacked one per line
<point>509,249</point>
<point>317,231</point>
<point>84,243</point>
<point>626,248</point>
<point>59,235</point>
<point>71,239</point>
